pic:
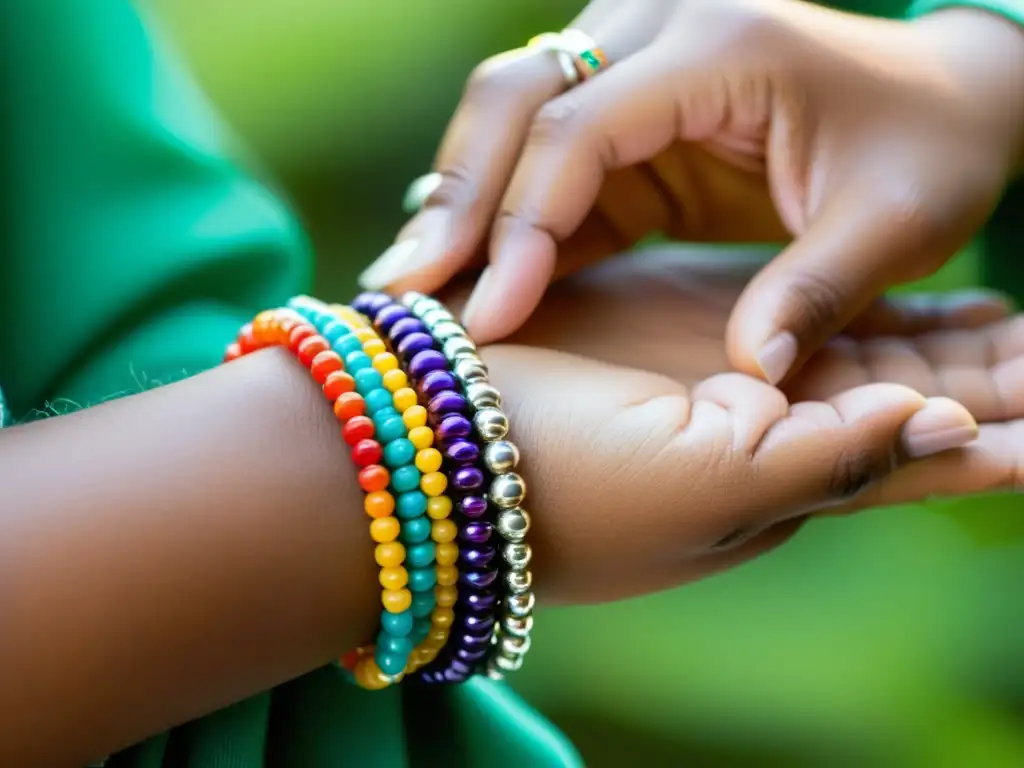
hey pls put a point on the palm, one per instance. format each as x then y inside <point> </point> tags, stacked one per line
<point>622,374</point>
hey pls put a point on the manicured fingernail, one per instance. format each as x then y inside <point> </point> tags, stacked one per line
<point>942,425</point>
<point>396,262</point>
<point>777,356</point>
<point>478,302</point>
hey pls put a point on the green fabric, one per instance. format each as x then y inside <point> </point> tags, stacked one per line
<point>135,249</point>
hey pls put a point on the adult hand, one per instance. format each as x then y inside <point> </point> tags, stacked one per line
<point>880,146</point>
<point>649,464</point>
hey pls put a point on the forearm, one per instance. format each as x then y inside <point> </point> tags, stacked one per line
<point>169,553</point>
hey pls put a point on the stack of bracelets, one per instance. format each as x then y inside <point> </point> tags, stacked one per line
<point>428,436</point>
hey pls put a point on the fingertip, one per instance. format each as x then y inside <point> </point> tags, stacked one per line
<point>941,425</point>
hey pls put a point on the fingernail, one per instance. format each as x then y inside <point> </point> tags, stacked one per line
<point>777,356</point>
<point>942,425</point>
<point>479,299</point>
<point>396,262</point>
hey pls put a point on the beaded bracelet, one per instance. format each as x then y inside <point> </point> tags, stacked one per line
<point>417,485</point>
<point>430,371</point>
<point>507,489</point>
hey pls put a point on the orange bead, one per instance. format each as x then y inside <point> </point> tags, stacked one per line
<point>396,600</point>
<point>349,404</point>
<point>443,531</point>
<point>324,364</point>
<point>445,596</point>
<point>299,334</point>
<point>390,554</point>
<point>447,575</point>
<point>246,341</point>
<point>380,504</point>
<point>374,347</point>
<point>338,383</point>
<point>439,507</point>
<point>395,380</point>
<point>415,417</point>
<point>374,478</point>
<point>446,553</point>
<point>233,352</point>
<point>393,577</point>
<point>264,326</point>
<point>385,529</point>
<point>310,347</point>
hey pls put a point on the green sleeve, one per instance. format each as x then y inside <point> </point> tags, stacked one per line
<point>1011,9</point>
<point>135,246</point>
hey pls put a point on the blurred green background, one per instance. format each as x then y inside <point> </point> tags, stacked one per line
<point>890,639</point>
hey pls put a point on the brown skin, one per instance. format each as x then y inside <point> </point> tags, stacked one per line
<point>877,147</point>
<point>174,551</point>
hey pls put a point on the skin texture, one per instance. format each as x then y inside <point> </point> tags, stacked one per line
<point>876,147</point>
<point>204,541</point>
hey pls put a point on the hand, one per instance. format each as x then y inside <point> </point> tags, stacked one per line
<point>648,465</point>
<point>880,146</point>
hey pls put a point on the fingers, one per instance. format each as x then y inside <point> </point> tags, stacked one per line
<point>482,145</point>
<point>982,368</point>
<point>910,314</point>
<point>622,117</point>
<point>799,458</point>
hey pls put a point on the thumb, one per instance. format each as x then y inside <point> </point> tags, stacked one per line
<point>834,270</point>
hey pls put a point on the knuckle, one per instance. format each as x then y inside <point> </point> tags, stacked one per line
<point>492,81</point>
<point>856,470</point>
<point>744,25</point>
<point>459,188</point>
<point>559,123</point>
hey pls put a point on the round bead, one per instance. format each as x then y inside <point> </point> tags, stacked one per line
<point>395,380</point>
<point>367,452</point>
<point>396,600</point>
<point>508,490</point>
<point>422,606</point>
<point>349,404</point>
<point>470,369</point>
<point>434,315</point>
<point>501,456</point>
<point>518,626</point>
<point>482,601</point>
<point>411,504</point>
<point>520,605</point>
<point>442,617</point>
<point>433,483</point>
<point>435,383</point>
<point>324,364</point>
<point>399,452</point>
<point>374,347</point>
<point>391,429</point>
<point>478,556</point>
<point>420,555</point>
<point>415,417</point>
<point>391,644</point>
<point>390,663</point>
<point>374,478</point>
<point>478,578</point>
<point>357,361</point>
<point>423,579</point>
<point>509,663</point>
<point>404,327</point>
<point>443,531</point>
<point>453,427</point>
<point>413,344</point>
<point>473,506</point>
<point>310,347</point>
<point>379,400</point>
<point>439,507</point>
<point>379,504</point>
<point>421,438</point>
<point>518,582</point>
<point>462,451</point>
<point>385,529</point>
<point>447,403</point>
<point>298,334</point>
<point>446,596</point>
<point>348,344</point>
<point>513,524</point>
<point>458,347</point>
<point>511,645</point>
<point>446,553</point>
<point>468,479</point>
<point>393,577</point>
<point>357,428</point>
<point>476,533</point>
<point>396,624</point>
<point>447,575</point>
<point>390,554</point>
<point>390,315</point>
<point>384,363</point>
<point>428,460</point>
<point>414,531</point>
<point>337,383</point>
<point>491,423</point>
<point>426,361</point>
<point>405,478</point>
<point>517,554</point>
<point>367,380</point>
<point>446,329</point>
<point>405,399</point>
